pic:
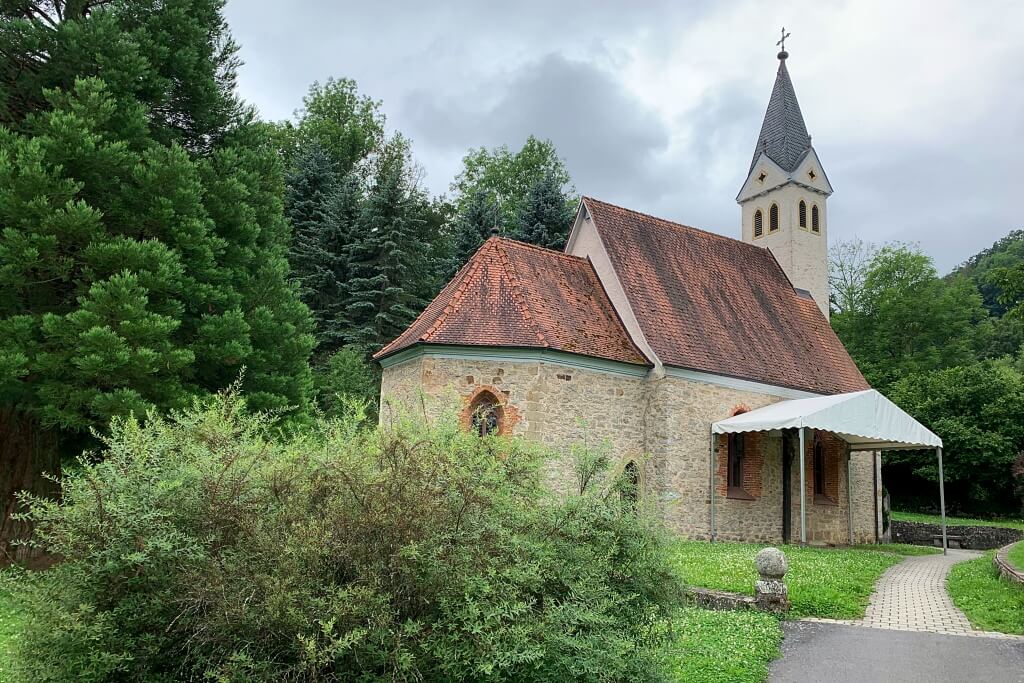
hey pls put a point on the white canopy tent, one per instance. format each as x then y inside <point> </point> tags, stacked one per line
<point>866,420</point>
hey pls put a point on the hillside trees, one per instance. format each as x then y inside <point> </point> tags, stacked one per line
<point>939,348</point>
<point>143,244</point>
<point>978,410</point>
<point>905,319</point>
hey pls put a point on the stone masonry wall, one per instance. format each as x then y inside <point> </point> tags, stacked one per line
<point>557,405</point>
<point>661,423</point>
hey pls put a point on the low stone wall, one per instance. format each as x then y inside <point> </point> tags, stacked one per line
<point>719,600</point>
<point>970,537</point>
<point>1005,568</point>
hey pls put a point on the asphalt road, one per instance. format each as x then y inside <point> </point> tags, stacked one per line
<point>836,653</point>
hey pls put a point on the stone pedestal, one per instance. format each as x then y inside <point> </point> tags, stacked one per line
<point>770,592</point>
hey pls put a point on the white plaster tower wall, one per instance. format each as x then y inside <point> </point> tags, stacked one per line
<point>784,171</point>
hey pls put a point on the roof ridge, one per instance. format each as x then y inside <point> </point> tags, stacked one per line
<point>471,268</point>
<point>508,241</point>
<point>676,225</point>
<point>521,300</point>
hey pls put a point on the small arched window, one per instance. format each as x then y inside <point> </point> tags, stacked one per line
<point>630,492</point>
<point>758,223</point>
<point>486,415</point>
<point>815,225</point>
<point>773,218</point>
<point>803,214</point>
<point>819,468</point>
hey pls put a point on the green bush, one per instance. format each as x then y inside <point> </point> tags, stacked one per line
<point>205,546</point>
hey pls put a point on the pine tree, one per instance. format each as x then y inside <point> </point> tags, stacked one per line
<point>387,254</point>
<point>323,211</point>
<point>546,217</point>
<point>473,225</point>
<point>143,245</point>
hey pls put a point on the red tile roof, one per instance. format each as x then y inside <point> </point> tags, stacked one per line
<point>715,304</point>
<point>517,295</point>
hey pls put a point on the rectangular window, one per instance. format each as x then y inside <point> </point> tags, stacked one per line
<point>735,466</point>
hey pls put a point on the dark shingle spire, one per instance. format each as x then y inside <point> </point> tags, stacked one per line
<point>783,134</point>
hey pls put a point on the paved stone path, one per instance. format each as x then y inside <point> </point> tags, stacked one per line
<point>912,596</point>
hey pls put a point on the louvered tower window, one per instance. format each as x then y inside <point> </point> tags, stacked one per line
<point>758,223</point>
<point>803,214</point>
<point>773,218</point>
<point>815,225</point>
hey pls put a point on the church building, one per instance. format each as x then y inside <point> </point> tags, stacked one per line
<point>645,333</point>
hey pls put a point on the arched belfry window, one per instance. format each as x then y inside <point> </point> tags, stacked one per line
<point>758,223</point>
<point>630,492</point>
<point>815,224</point>
<point>773,218</point>
<point>803,214</point>
<point>486,414</point>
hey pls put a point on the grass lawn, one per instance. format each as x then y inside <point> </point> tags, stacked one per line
<point>1016,556</point>
<point>989,601</point>
<point>901,549</point>
<point>723,647</point>
<point>957,521</point>
<point>823,582</point>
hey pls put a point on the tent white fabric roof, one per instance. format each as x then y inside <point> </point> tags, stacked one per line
<point>864,419</point>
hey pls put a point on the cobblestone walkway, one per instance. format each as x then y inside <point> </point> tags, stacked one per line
<point>912,596</point>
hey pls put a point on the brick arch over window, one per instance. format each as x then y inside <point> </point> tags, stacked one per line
<point>740,459</point>
<point>487,411</point>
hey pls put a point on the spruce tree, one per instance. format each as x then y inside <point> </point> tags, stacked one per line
<point>323,210</point>
<point>142,237</point>
<point>387,254</point>
<point>473,225</point>
<point>546,217</point>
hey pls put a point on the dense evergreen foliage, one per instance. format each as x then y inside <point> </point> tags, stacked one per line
<point>476,220</point>
<point>143,251</point>
<point>546,217</point>
<point>204,546</point>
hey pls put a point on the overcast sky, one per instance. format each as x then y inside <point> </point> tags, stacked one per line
<point>916,108</point>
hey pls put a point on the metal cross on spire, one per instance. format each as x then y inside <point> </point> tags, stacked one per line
<point>782,41</point>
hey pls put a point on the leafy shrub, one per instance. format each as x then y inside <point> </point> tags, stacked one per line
<point>203,546</point>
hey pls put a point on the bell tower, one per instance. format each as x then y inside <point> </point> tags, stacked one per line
<point>784,199</point>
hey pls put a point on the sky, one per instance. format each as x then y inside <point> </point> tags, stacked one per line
<point>916,108</point>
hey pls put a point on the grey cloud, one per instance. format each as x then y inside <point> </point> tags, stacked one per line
<point>459,74</point>
<point>608,139</point>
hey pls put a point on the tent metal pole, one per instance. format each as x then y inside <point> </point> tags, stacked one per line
<point>942,500</point>
<point>803,489</point>
<point>712,462</point>
<point>849,492</point>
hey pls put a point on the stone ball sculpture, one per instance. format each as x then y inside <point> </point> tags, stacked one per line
<point>771,563</point>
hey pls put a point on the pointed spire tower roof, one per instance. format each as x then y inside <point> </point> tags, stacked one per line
<point>783,136</point>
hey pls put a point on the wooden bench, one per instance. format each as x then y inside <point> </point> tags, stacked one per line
<point>951,541</point>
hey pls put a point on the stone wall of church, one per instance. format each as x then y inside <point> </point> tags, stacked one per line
<point>664,424</point>
<point>558,405</point>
